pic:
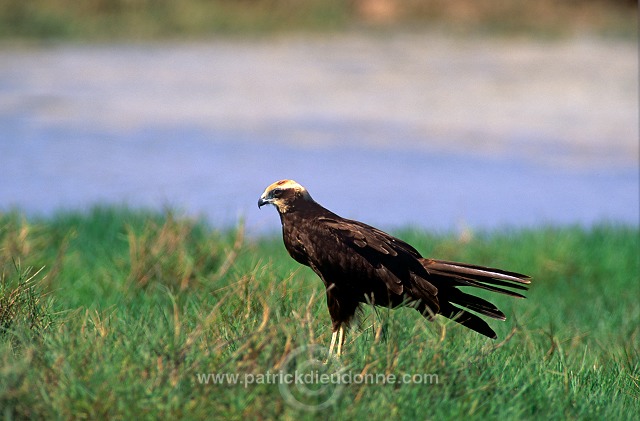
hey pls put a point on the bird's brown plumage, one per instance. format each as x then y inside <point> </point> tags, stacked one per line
<point>362,264</point>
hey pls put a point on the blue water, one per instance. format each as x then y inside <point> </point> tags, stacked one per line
<point>219,175</point>
<point>426,130</point>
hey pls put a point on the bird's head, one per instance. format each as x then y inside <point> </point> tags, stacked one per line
<point>284,195</point>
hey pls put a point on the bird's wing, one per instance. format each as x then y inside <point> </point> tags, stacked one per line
<point>363,235</point>
<point>394,261</point>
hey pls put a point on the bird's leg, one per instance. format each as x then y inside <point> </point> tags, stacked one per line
<point>333,342</point>
<point>340,341</point>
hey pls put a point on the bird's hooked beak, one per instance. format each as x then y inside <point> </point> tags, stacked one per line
<point>264,200</point>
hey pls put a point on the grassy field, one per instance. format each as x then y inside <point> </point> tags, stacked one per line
<point>130,315</point>
<point>152,19</point>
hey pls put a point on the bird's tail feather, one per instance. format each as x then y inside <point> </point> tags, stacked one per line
<point>463,274</point>
<point>447,276</point>
<point>467,319</point>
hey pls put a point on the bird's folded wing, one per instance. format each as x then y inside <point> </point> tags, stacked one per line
<point>394,261</point>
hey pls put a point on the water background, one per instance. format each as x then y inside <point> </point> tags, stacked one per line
<point>407,129</point>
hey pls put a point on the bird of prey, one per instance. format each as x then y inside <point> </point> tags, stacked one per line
<point>362,264</point>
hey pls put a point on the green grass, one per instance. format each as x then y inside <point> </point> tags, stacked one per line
<point>152,19</point>
<point>131,306</point>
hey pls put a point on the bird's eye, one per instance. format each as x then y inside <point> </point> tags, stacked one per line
<point>276,192</point>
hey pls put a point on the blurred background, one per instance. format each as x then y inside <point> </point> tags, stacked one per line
<point>430,113</point>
